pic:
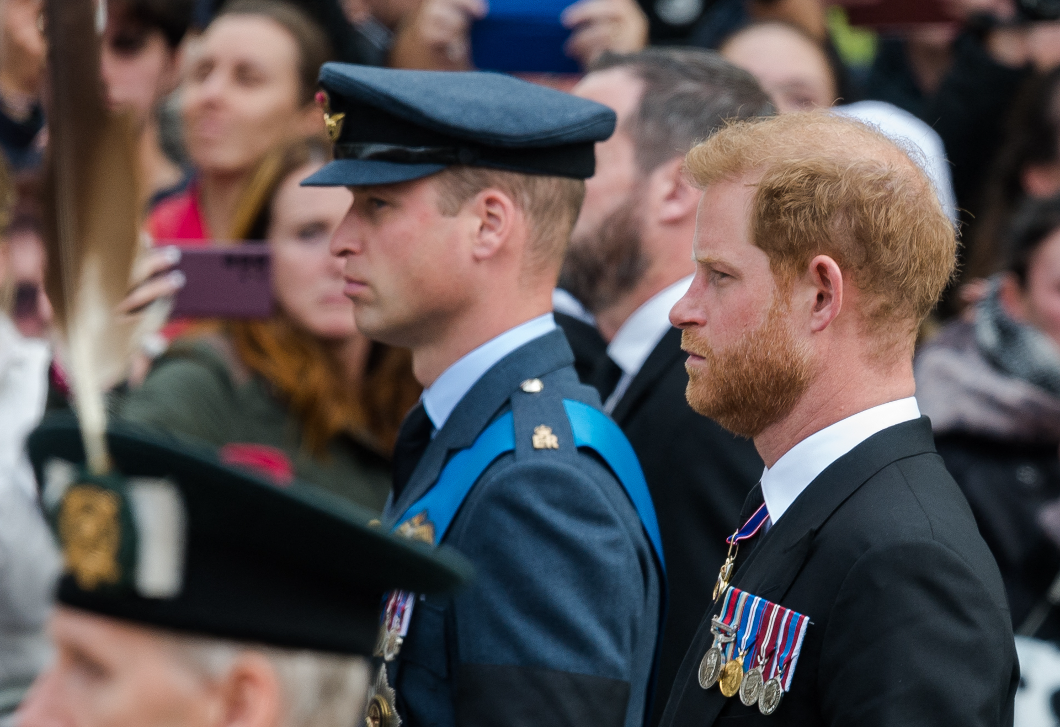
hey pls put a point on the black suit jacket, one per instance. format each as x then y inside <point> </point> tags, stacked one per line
<point>909,623</point>
<point>698,475</point>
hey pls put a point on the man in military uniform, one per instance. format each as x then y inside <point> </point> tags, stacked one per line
<point>466,186</point>
<point>629,262</point>
<point>198,595</point>
<point>863,593</point>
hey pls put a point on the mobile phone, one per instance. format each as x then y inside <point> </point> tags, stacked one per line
<point>225,281</point>
<point>522,36</point>
<point>895,13</point>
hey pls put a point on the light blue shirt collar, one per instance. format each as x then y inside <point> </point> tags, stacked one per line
<point>441,397</point>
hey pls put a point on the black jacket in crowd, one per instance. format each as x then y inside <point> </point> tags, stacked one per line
<point>909,625</point>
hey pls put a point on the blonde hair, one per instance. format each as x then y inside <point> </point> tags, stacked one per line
<point>550,204</point>
<point>828,185</point>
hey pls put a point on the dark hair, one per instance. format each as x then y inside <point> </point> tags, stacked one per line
<point>1034,222</point>
<point>314,47</point>
<point>688,95</point>
<point>171,17</point>
<point>1031,137</point>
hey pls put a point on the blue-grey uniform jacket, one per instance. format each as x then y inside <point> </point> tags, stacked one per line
<point>559,625</point>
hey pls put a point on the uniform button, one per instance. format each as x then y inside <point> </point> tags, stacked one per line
<point>1027,474</point>
<point>532,386</point>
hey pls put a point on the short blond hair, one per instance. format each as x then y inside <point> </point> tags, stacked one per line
<point>828,185</point>
<point>550,204</point>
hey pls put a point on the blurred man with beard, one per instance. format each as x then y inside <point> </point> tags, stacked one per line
<point>628,263</point>
<point>820,247</point>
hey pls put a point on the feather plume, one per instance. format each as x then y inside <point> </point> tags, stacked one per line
<point>92,215</point>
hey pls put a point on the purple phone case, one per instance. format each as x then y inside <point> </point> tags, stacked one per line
<point>225,282</point>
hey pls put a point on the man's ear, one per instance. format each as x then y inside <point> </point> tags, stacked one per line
<point>826,284</point>
<point>496,218</point>
<point>676,199</point>
<point>250,695</point>
<point>1010,295</point>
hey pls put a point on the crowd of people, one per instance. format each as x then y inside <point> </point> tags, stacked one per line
<point>229,119</point>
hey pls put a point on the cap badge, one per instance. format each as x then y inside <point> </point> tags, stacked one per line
<point>544,438</point>
<point>532,386</point>
<point>418,528</point>
<point>332,122</point>
<point>90,532</point>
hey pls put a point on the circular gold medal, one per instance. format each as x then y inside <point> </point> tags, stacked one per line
<point>710,667</point>
<point>751,687</point>
<point>769,699</point>
<point>731,677</point>
<point>379,714</point>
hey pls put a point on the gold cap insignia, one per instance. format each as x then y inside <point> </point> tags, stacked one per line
<point>544,438</point>
<point>532,386</point>
<point>418,528</point>
<point>90,532</point>
<point>332,122</point>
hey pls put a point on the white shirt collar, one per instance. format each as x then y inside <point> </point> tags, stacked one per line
<point>800,465</point>
<point>643,330</point>
<point>639,336</point>
<point>441,397</point>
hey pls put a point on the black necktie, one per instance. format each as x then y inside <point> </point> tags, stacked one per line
<point>605,377</point>
<point>412,442</point>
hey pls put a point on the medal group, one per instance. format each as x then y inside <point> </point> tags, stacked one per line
<point>756,646</point>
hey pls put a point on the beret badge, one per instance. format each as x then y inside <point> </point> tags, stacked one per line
<point>90,533</point>
<point>332,122</point>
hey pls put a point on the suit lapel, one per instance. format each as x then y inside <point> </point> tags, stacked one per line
<point>778,556</point>
<point>773,565</point>
<point>482,403</point>
<point>658,363</point>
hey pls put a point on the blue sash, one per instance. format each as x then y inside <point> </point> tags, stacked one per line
<point>591,428</point>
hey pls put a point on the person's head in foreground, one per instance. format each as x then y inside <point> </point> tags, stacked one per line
<point>198,595</point>
<point>820,247</point>
<point>465,190</point>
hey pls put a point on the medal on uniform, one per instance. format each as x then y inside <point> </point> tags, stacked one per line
<point>749,613</point>
<point>753,680</point>
<point>787,647</point>
<point>381,710</point>
<point>749,530</point>
<point>395,624</point>
<point>712,662</point>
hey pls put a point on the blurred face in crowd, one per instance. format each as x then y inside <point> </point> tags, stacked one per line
<point>22,46</point>
<point>747,368</point>
<point>307,277</point>
<point>792,69</point>
<point>108,673</point>
<point>405,267</point>
<point>31,311</point>
<point>605,257</point>
<point>1037,302</point>
<point>139,68</point>
<point>241,95</point>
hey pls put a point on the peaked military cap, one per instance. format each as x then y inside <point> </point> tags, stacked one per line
<point>175,539</point>
<point>393,125</point>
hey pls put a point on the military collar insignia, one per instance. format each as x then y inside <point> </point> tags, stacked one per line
<point>332,122</point>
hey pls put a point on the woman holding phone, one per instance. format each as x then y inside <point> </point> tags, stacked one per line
<point>302,394</point>
<point>249,87</point>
